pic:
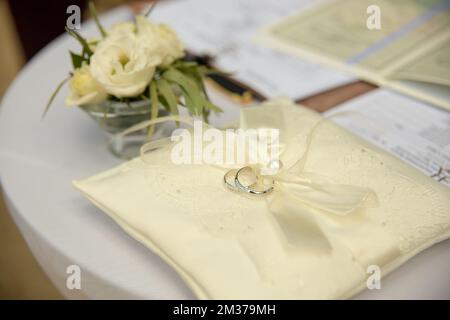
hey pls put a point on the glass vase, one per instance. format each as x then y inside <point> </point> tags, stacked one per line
<point>114,117</point>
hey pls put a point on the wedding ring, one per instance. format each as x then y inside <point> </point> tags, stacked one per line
<point>228,180</point>
<point>253,188</point>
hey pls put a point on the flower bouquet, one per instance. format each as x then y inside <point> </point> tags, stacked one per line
<point>134,72</point>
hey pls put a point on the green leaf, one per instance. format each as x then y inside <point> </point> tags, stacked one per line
<point>93,13</point>
<point>106,111</point>
<point>188,86</point>
<point>54,94</point>
<point>164,103</point>
<point>154,106</point>
<point>166,91</point>
<point>189,103</point>
<point>81,40</point>
<point>205,115</point>
<point>189,79</point>
<point>194,74</point>
<point>154,100</point>
<point>185,64</point>
<point>211,106</point>
<point>77,60</point>
<point>176,76</point>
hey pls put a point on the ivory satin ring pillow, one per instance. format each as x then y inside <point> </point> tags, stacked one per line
<point>338,206</point>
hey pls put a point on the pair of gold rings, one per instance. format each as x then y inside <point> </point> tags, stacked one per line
<point>246,180</point>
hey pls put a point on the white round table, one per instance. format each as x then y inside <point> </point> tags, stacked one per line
<point>40,158</point>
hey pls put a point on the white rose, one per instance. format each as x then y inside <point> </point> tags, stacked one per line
<point>122,64</point>
<point>84,89</point>
<point>122,28</point>
<point>162,40</point>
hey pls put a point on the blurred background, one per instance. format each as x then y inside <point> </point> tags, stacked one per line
<point>25,28</point>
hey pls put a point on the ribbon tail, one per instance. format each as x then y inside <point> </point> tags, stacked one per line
<point>299,230</point>
<point>332,198</point>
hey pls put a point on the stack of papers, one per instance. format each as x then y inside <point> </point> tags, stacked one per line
<point>416,132</point>
<point>409,53</point>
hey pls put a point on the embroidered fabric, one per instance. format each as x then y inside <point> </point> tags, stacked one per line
<point>230,245</point>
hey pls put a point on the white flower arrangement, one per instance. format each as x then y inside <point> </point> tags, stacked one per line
<point>137,60</point>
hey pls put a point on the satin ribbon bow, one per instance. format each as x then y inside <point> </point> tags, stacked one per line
<point>311,189</point>
<point>299,196</point>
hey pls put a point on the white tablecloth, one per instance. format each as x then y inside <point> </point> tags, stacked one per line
<point>38,161</point>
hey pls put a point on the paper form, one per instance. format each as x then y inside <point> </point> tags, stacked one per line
<point>415,132</point>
